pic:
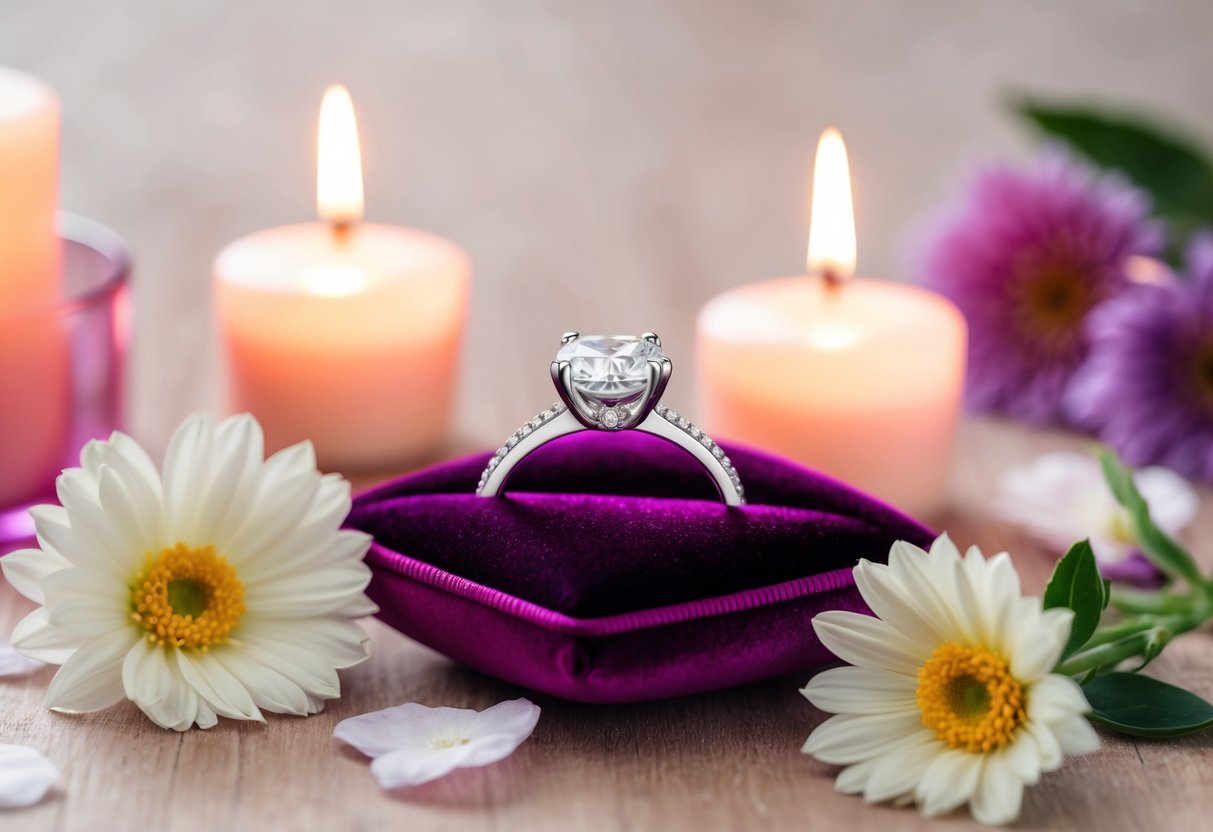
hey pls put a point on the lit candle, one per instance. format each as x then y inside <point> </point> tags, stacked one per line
<point>344,332</point>
<point>860,379</point>
<point>34,399</point>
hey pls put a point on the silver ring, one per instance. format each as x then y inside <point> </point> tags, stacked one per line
<point>611,383</point>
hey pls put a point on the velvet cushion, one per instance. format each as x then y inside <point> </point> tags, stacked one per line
<point>612,573</point>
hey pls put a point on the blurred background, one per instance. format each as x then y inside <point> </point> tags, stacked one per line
<point>609,165</point>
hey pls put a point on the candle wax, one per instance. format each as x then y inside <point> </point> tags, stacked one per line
<point>349,339</point>
<point>861,381</point>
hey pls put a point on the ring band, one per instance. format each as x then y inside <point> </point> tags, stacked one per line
<point>612,384</point>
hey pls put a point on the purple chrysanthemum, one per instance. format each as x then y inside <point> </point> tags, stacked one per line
<point>1147,388</point>
<point>1029,255</point>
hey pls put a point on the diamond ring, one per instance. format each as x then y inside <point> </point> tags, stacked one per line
<point>611,383</point>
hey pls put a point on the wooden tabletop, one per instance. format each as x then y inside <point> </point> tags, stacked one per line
<point>609,166</point>
<point>726,760</point>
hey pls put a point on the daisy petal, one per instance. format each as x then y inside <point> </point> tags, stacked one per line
<point>219,689</point>
<point>1076,736</point>
<point>948,782</point>
<point>999,793</point>
<point>868,642</point>
<point>271,691</point>
<point>1038,645</point>
<point>900,767</point>
<point>92,678</point>
<point>857,690</point>
<point>25,569</point>
<point>850,738</point>
<point>37,638</point>
<point>25,776</point>
<point>1055,698</point>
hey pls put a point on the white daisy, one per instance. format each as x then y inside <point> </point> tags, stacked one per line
<point>1062,497</point>
<point>951,698</point>
<point>412,744</point>
<point>224,587</point>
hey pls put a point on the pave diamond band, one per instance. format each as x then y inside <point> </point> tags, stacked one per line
<point>610,384</point>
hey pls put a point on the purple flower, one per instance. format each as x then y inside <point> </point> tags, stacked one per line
<point>1028,256</point>
<point>1147,389</point>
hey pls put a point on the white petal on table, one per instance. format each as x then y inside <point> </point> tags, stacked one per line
<point>13,663</point>
<point>413,744</point>
<point>25,776</point>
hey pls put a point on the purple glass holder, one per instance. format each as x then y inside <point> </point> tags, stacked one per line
<point>63,366</point>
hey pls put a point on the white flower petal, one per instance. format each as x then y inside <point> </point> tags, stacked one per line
<point>929,582</point>
<point>949,781</point>
<point>94,540</point>
<point>857,690</point>
<point>313,551</point>
<point>413,744</point>
<point>25,776</point>
<point>13,663</point>
<point>343,643</point>
<point>410,725</point>
<point>883,590</point>
<point>25,569</point>
<point>1076,736</point>
<point>1055,698</point>
<point>37,638</point>
<point>407,767</point>
<point>280,511</point>
<point>1022,756</point>
<point>187,477</point>
<point>999,793</point>
<point>92,678</point>
<point>302,666</point>
<point>139,520</point>
<point>228,499</point>
<point>1039,643</point>
<point>314,593</point>
<point>1048,749</point>
<point>869,642</point>
<point>219,689</point>
<point>854,778</point>
<point>899,768</point>
<point>850,738</point>
<point>86,602</point>
<point>156,685</point>
<point>269,689</point>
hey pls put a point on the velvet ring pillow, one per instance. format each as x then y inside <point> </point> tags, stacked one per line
<point>612,573</point>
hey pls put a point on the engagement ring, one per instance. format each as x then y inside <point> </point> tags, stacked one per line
<point>611,383</point>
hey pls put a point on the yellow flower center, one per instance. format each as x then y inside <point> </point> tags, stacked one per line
<point>968,697</point>
<point>187,597</point>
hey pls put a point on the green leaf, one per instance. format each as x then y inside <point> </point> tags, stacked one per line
<point>1176,172</point>
<point>1076,585</point>
<point>1146,707</point>
<point>1155,544</point>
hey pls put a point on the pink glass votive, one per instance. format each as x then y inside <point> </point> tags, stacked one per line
<point>61,372</point>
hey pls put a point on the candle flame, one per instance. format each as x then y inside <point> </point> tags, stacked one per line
<point>339,164</point>
<point>831,212</point>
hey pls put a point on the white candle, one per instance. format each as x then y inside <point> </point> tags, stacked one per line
<point>860,379</point>
<point>342,332</point>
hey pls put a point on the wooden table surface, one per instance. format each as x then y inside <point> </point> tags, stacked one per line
<point>726,760</point>
<point>609,166</point>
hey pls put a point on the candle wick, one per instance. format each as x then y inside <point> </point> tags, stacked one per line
<point>833,280</point>
<point>343,229</point>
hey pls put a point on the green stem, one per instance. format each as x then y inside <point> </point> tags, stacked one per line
<point>1110,654</point>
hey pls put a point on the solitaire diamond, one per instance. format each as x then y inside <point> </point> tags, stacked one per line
<point>609,368</point>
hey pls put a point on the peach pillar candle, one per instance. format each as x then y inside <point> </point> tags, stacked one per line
<point>33,348</point>
<point>342,332</point>
<point>860,379</point>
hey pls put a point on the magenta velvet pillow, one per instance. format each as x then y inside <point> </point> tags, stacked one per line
<point>611,573</point>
